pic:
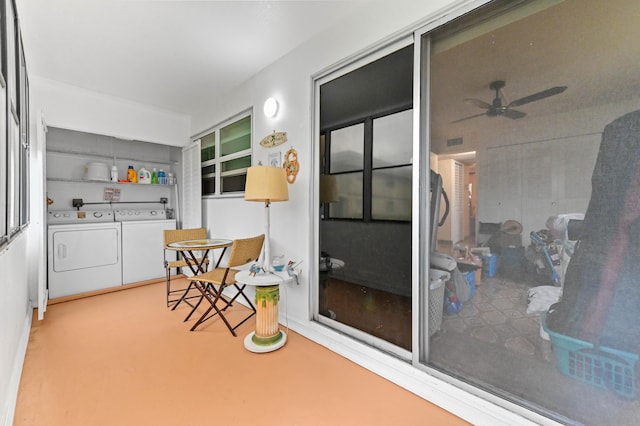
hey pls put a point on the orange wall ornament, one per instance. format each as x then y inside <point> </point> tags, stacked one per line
<point>291,165</point>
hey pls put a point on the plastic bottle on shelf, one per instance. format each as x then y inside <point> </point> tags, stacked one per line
<point>161,177</point>
<point>144,175</point>
<point>154,176</point>
<point>114,173</point>
<point>170,179</point>
<point>132,175</point>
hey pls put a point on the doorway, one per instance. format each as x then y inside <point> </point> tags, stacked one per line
<point>459,179</point>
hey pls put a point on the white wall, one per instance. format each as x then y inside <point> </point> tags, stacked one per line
<point>15,314</point>
<point>73,108</point>
<point>289,79</point>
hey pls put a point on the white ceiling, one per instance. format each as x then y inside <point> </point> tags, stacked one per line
<point>182,55</point>
<point>177,55</point>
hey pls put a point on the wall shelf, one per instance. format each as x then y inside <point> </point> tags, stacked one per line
<point>110,158</point>
<point>69,155</point>
<point>108,182</point>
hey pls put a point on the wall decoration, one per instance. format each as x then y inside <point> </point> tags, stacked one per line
<point>274,139</point>
<point>111,194</point>
<point>274,159</point>
<point>291,165</point>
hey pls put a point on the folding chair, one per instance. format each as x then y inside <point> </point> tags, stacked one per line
<point>172,236</point>
<point>212,284</point>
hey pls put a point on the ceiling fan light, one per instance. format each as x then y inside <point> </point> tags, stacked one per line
<point>496,106</point>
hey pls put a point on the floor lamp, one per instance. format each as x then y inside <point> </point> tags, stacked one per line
<point>268,184</point>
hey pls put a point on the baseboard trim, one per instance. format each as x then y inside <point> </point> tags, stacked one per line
<point>18,362</point>
<point>106,290</point>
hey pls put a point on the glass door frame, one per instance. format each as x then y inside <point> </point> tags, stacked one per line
<point>450,393</point>
<point>348,65</point>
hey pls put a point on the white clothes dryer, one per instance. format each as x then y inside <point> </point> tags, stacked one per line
<point>83,252</point>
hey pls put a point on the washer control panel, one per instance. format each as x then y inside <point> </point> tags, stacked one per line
<point>129,215</point>
<point>80,216</point>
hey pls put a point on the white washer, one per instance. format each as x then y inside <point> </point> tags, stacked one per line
<point>83,252</point>
<point>143,243</point>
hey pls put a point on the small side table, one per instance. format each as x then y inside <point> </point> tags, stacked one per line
<point>267,337</point>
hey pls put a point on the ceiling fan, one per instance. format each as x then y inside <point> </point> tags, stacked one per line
<point>500,106</point>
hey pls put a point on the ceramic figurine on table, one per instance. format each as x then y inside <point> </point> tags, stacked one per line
<point>254,269</point>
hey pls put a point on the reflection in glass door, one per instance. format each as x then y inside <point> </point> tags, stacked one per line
<point>516,82</point>
<point>365,202</point>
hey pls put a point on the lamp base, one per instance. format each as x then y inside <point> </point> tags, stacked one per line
<point>276,344</point>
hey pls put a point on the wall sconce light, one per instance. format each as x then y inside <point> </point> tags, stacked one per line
<point>270,107</point>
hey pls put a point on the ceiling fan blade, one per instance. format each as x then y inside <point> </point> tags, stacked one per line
<point>478,103</point>
<point>537,96</point>
<point>470,117</point>
<point>513,114</point>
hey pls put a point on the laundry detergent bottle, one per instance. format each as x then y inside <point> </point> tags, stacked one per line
<point>144,175</point>
<point>132,176</point>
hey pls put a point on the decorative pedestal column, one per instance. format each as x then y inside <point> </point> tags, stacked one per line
<point>267,337</point>
<point>267,330</point>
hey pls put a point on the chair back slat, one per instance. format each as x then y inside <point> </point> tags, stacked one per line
<point>245,250</point>
<point>173,235</point>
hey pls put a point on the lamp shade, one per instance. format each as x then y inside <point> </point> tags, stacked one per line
<point>266,183</point>
<point>328,189</point>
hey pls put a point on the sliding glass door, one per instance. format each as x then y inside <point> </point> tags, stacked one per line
<point>365,199</point>
<point>544,94</point>
<point>519,121</point>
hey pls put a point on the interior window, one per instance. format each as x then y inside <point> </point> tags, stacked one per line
<point>346,161</point>
<point>391,193</point>
<point>3,161</point>
<point>392,153</point>
<point>347,149</point>
<point>226,156</point>
<point>14,128</point>
<point>392,139</point>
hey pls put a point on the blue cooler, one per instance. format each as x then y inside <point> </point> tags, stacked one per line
<point>489,265</point>
<point>511,258</point>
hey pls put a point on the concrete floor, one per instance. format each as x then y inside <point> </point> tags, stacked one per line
<point>123,358</point>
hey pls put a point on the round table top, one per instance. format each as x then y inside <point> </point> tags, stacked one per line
<point>201,244</point>
<point>263,279</point>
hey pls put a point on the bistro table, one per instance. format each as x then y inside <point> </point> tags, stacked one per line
<point>267,336</point>
<point>187,249</point>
